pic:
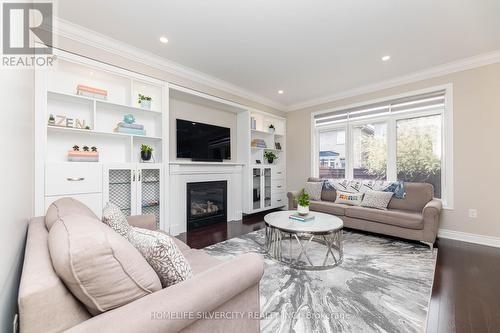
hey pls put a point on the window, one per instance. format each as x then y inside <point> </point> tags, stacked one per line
<point>332,153</point>
<point>370,151</point>
<point>418,147</point>
<point>403,138</point>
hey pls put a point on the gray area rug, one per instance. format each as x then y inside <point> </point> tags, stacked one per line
<point>383,285</point>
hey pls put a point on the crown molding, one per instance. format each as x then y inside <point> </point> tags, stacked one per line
<point>441,70</point>
<point>89,37</point>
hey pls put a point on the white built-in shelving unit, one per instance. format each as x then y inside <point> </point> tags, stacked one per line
<point>120,176</point>
<point>92,182</point>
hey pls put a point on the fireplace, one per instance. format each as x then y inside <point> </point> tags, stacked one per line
<point>206,203</point>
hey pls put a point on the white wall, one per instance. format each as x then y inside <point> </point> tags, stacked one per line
<point>16,185</point>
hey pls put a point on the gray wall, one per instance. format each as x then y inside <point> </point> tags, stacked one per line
<point>16,186</point>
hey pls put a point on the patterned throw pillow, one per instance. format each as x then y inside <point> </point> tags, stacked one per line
<point>157,248</point>
<point>114,218</point>
<point>314,190</point>
<point>353,199</point>
<point>162,254</point>
<point>376,199</point>
<point>361,186</point>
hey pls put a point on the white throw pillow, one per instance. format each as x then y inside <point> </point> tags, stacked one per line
<point>353,199</point>
<point>313,189</point>
<point>376,199</point>
<point>162,254</point>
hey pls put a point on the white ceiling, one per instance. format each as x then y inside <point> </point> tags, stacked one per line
<point>309,48</point>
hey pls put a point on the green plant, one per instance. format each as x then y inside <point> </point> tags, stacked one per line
<point>303,198</point>
<point>51,117</point>
<point>76,148</point>
<point>85,148</point>
<point>144,98</point>
<point>271,126</point>
<point>146,149</point>
<point>270,156</point>
<point>93,148</point>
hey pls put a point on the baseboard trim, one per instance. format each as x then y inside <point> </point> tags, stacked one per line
<point>469,238</point>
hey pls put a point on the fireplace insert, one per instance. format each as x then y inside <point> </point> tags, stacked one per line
<point>206,203</point>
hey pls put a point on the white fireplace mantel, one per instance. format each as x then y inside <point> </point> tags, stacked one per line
<point>182,173</point>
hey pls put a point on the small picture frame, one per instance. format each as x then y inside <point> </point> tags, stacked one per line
<point>258,162</point>
<point>277,145</point>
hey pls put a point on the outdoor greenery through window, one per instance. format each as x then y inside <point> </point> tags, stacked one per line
<point>394,140</point>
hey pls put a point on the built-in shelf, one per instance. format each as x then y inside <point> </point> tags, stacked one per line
<point>205,163</point>
<point>78,98</point>
<point>270,149</point>
<point>92,132</point>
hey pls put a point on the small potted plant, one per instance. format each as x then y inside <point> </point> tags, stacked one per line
<point>52,120</point>
<point>270,156</point>
<point>146,152</point>
<point>76,148</point>
<point>271,128</point>
<point>303,203</point>
<point>145,101</point>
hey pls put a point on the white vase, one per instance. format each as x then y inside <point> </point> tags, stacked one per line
<point>303,210</point>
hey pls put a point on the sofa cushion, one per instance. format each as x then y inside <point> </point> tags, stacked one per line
<point>100,267</point>
<point>417,196</point>
<point>328,207</point>
<point>400,218</point>
<point>45,304</point>
<point>353,199</point>
<point>376,199</point>
<point>66,206</point>
<point>313,189</point>
<point>161,252</point>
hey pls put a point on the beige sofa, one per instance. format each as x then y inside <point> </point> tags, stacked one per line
<point>416,217</point>
<point>217,288</point>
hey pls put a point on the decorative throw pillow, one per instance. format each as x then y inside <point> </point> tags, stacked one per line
<point>114,217</point>
<point>353,199</point>
<point>100,268</point>
<point>313,189</point>
<point>65,206</point>
<point>376,199</point>
<point>162,254</point>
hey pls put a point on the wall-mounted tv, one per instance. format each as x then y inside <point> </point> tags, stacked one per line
<point>203,142</point>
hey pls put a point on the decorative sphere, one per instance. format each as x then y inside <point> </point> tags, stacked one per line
<point>129,118</point>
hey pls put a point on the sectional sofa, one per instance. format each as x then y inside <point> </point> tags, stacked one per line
<point>415,217</point>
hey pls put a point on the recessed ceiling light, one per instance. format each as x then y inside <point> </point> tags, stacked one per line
<point>386,58</point>
<point>164,39</point>
<point>281,92</point>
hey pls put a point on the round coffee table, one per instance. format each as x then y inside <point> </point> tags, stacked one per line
<point>291,242</point>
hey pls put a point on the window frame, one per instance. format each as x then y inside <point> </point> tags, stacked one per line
<point>391,120</point>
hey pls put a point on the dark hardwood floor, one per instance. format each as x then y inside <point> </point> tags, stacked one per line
<point>466,291</point>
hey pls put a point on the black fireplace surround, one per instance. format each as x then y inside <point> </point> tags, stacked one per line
<point>206,203</point>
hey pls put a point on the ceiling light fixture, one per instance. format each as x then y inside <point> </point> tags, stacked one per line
<point>386,58</point>
<point>281,92</point>
<point>164,39</point>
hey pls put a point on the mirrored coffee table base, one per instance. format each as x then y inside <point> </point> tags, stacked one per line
<point>305,250</point>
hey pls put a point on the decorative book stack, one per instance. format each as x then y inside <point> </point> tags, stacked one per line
<point>91,92</point>
<point>83,156</point>
<point>134,129</point>
<point>301,218</point>
<point>258,143</point>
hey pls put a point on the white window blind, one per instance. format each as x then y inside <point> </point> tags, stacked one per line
<point>416,103</point>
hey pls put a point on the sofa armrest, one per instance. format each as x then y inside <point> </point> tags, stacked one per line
<point>430,214</point>
<point>292,199</point>
<point>146,221</point>
<point>176,307</point>
<point>432,208</point>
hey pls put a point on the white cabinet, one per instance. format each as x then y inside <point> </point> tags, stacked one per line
<point>267,192</point>
<point>73,178</point>
<point>134,187</point>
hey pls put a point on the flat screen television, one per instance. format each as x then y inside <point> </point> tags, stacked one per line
<point>203,142</point>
